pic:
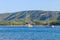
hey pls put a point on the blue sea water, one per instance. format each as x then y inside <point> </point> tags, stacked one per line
<point>26,33</point>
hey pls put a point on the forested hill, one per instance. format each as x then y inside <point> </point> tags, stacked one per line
<point>31,16</point>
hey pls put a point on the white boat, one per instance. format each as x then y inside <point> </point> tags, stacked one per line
<point>52,26</point>
<point>29,25</point>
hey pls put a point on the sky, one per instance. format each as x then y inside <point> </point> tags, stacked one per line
<point>22,5</point>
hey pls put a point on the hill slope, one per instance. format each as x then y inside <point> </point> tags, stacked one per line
<point>32,16</point>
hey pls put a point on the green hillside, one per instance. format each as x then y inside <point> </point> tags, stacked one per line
<point>34,17</point>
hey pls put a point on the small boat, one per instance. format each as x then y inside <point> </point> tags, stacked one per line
<point>29,25</point>
<point>52,26</point>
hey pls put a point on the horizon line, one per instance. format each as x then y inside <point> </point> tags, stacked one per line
<point>28,10</point>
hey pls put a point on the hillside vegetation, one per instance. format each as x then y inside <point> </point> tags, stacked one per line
<point>34,17</point>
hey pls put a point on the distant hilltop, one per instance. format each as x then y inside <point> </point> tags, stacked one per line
<point>35,17</point>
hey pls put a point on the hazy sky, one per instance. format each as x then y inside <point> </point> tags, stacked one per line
<point>20,5</point>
